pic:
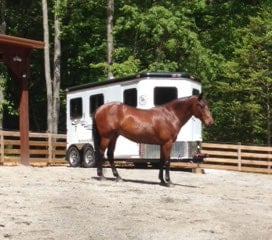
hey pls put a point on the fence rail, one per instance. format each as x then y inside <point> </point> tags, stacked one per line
<point>49,149</point>
<point>238,157</point>
<point>44,148</point>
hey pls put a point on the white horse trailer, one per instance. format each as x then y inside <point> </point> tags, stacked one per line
<point>145,91</point>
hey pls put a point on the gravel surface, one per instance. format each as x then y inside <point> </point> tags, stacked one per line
<point>70,203</point>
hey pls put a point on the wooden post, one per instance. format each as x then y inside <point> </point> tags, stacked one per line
<point>198,169</point>
<point>15,53</point>
<point>24,121</point>
<point>269,162</point>
<point>18,60</point>
<point>2,154</point>
<point>50,149</point>
<point>239,156</point>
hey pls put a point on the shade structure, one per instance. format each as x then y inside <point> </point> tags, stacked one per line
<point>15,53</point>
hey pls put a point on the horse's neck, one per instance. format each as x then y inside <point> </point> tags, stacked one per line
<point>183,110</point>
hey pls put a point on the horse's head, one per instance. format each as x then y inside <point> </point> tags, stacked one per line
<point>201,110</point>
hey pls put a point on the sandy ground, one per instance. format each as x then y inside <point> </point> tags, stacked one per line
<point>70,203</point>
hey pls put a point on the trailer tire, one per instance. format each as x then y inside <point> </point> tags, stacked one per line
<point>88,156</point>
<point>73,156</point>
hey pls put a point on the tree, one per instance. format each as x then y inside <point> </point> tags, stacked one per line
<point>84,42</point>
<point>52,83</point>
<point>163,36</point>
<point>3,18</point>
<point>225,43</point>
<point>110,14</point>
<point>251,69</point>
<point>3,31</point>
<point>226,30</point>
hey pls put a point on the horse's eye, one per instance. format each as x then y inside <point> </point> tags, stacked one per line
<point>201,106</point>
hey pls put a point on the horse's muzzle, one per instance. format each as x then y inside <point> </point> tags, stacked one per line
<point>209,123</point>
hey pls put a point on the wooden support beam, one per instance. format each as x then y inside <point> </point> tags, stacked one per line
<point>15,53</point>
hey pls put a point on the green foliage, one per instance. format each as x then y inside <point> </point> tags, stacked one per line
<point>7,102</point>
<point>227,44</point>
<point>244,80</point>
<point>83,41</point>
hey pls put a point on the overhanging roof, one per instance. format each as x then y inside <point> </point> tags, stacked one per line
<point>20,42</point>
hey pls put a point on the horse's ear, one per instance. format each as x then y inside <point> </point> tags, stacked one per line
<point>200,96</point>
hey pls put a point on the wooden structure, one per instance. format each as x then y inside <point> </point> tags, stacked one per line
<point>46,149</point>
<point>15,53</point>
<point>238,157</point>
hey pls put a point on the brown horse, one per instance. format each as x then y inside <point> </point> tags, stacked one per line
<point>159,125</point>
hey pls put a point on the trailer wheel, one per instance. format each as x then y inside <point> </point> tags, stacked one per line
<point>74,156</point>
<point>88,156</point>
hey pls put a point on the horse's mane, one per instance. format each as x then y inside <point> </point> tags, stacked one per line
<point>177,100</point>
<point>184,98</point>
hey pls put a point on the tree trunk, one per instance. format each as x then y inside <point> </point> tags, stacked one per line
<point>3,18</point>
<point>1,101</point>
<point>110,13</point>
<point>56,79</point>
<point>52,84</point>
<point>3,31</point>
<point>47,67</point>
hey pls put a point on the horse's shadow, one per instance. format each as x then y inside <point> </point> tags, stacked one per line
<point>144,182</point>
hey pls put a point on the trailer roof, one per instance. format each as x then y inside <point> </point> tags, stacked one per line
<point>133,77</point>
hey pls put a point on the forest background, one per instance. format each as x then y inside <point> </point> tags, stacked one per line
<point>226,44</point>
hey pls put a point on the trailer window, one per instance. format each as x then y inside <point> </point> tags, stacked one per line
<point>130,97</point>
<point>96,101</point>
<point>195,92</point>
<point>76,108</point>
<point>164,94</point>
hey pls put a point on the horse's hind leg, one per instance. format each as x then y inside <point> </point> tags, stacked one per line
<point>110,154</point>
<point>99,162</point>
<point>100,157</point>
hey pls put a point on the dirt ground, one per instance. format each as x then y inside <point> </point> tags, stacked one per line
<point>70,203</point>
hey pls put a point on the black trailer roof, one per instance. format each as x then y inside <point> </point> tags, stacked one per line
<point>131,78</point>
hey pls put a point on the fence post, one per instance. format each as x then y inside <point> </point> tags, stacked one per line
<point>50,149</point>
<point>239,151</point>
<point>269,161</point>
<point>2,150</point>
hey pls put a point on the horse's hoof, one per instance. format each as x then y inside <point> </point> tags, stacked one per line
<point>164,184</point>
<point>119,179</point>
<point>101,178</point>
<point>170,183</point>
<point>167,184</point>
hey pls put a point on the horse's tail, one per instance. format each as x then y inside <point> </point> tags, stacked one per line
<point>96,138</point>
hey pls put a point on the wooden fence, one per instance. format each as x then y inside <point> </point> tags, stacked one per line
<point>238,157</point>
<point>49,149</point>
<point>44,148</point>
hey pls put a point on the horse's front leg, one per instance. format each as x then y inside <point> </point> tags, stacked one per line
<point>165,162</point>
<point>167,172</point>
<point>161,172</point>
<point>110,154</point>
<point>100,157</point>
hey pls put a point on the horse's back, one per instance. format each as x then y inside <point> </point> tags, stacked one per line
<point>108,115</point>
<point>108,110</point>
